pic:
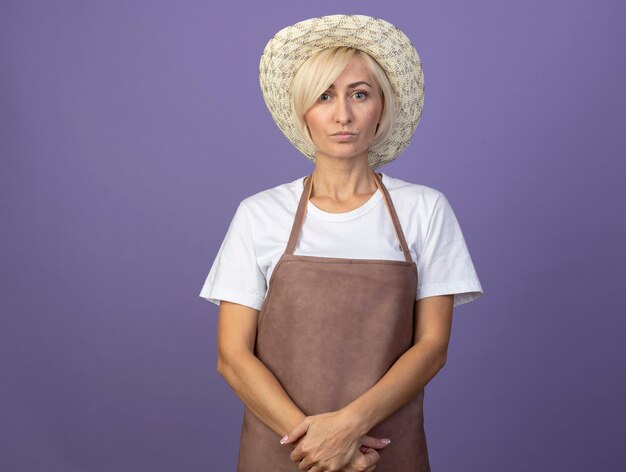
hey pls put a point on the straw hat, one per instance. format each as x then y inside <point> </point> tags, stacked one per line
<point>389,46</point>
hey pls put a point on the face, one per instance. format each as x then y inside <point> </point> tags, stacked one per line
<point>343,120</point>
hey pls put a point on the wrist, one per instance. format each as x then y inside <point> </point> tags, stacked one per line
<point>357,418</point>
<point>293,420</point>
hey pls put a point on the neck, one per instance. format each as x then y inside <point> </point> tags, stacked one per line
<point>341,182</point>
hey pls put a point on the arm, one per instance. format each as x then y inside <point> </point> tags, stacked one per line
<point>414,369</point>
<point>251,380</point>
<point>257,387</point>
<point>411,372</point>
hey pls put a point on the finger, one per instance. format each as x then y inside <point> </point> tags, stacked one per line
<point>363,462</point>
<point>376,443</point>
<point>295,433</point>
<point>306,465</point>
<point>371,457</point>
<point>297,456</point>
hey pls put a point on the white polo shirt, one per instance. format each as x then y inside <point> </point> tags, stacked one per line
<point>258,235</point>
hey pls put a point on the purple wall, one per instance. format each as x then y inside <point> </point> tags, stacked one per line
<point>130,131</point>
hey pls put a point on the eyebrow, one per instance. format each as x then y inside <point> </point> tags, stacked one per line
<point>355,84</point>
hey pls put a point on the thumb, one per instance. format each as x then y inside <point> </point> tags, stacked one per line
<point>375,443</point>
<point>295,433</point>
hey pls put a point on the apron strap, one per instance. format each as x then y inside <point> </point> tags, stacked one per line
<point>304,199</point>
<point>394,217</point>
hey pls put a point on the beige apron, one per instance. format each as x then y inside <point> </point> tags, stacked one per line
<point>329,329</point>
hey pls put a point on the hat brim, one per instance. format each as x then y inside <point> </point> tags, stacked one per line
<point>389,46</point>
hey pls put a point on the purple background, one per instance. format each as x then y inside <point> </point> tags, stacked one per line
<point>130,131</point>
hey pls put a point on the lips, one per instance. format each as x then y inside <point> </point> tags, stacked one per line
<point>343,133</point>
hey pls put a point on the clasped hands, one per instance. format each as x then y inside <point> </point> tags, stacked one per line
<point>332,442</point>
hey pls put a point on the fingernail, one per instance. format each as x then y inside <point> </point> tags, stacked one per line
<point>386,441</point>
<point>284,438</point>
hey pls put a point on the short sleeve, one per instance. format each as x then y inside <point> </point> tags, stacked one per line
<point>235,275</point>
<point>444,265</point>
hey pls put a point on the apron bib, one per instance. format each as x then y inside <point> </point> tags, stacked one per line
<point>328,330</point>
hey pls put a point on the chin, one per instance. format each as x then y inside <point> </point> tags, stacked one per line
<point>343,153</point>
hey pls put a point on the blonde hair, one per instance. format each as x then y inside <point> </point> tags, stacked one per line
<point>318,73</point>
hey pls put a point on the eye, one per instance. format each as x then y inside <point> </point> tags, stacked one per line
<point>360,95</point>
<point>322,96</point>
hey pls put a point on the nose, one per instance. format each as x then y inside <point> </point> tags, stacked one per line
<point>343,112</point>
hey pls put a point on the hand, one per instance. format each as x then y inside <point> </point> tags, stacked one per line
<point>364,460</point>
<point>331,441</point>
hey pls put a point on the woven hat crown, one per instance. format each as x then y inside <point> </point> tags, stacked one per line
<point>391,48</point>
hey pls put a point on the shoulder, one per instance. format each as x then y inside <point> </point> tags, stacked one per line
<point>410,197</point>
<point>277,198</point>
<point>270,212</point>
<point>410,190</point>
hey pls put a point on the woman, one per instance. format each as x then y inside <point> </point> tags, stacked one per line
<point>326,333</point>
